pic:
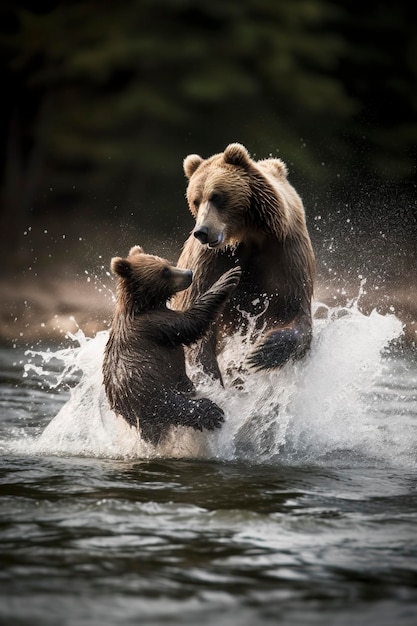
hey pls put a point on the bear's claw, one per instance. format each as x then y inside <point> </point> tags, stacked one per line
<point>214,419</point>
<point>278,348</point>
<point>205,415</point>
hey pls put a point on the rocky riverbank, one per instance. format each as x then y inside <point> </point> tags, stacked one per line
<point>41,308</point>
<point>46,309</point>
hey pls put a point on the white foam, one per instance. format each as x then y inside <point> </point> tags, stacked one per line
<point>319,408</point>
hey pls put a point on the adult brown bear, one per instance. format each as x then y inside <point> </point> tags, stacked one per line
<point>248,214</point>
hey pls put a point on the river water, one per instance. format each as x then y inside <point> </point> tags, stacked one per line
<point>301,510</point>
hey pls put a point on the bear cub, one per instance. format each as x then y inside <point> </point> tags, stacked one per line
<point>144,362</point>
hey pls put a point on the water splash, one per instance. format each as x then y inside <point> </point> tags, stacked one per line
<point>322,409</point>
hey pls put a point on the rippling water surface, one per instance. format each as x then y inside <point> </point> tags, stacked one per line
<point>301,510</point>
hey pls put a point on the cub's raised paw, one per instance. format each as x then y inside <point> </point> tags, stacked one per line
<point>210,416</point>
<point>228,281</point>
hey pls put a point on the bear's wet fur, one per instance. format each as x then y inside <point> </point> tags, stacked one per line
<point>248,214</point>
<point>144,363</point>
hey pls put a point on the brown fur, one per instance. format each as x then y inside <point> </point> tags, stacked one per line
<point>144,364</point>
<point>248,214</point>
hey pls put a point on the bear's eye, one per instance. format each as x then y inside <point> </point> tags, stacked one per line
<point>196,203</point>
<point>216,199</point>
<point>165,273</point>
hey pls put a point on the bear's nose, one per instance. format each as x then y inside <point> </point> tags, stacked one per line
<point>201,233</point>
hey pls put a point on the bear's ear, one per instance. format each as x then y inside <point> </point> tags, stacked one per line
<point>236,154</point>
<point>191,163</point>
<point>276,167</point>
<point>121,267</point>
<point>135,250</point>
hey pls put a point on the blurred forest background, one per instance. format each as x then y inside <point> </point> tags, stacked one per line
<point>102,101</point>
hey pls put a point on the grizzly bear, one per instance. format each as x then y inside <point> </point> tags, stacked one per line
<point>144,364</point>
<point>248,214</point>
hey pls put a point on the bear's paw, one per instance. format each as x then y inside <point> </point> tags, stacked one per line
<point>204,414</point>
<point>275,350</point>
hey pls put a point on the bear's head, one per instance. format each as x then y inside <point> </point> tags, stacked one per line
<point>230,194</point>
<point>147,281</point>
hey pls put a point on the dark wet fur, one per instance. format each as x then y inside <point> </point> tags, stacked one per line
<point>144,363</point>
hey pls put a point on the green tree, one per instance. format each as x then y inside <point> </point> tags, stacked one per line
<point>105,99</point>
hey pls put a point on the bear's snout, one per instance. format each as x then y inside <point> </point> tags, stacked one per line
<point>210,227</point>
<point>201,233</point>
<point>210,237</point>
<point>181,278</point>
